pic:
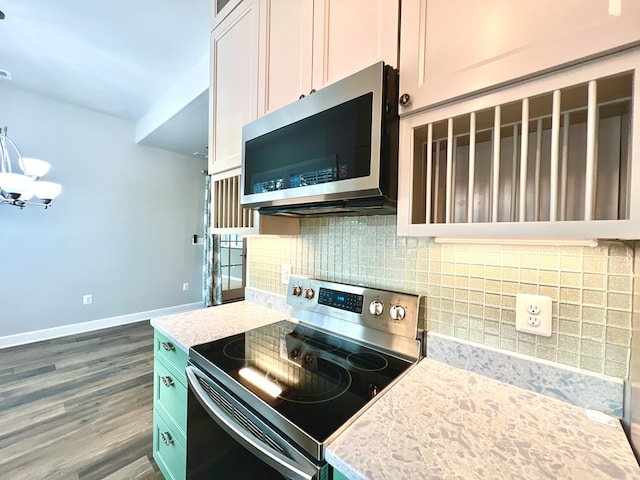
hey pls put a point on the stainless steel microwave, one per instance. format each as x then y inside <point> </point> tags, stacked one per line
<point>333,152</point>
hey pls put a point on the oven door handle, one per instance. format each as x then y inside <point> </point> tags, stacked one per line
<point>301,469</point>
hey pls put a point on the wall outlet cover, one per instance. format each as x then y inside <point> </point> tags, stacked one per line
<point>285,273</point>
<point>533,314</point>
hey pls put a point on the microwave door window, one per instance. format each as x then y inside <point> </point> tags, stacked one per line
<point>313,172</point>
<point>329,146</point>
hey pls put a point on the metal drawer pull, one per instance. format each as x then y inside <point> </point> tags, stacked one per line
<point>167,381</point>
<point>166,438</point>
<point>168,346</point>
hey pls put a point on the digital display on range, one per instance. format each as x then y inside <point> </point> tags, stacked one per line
<point>351,302</point>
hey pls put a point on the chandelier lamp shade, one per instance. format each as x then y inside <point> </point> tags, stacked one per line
<point>20,177</point>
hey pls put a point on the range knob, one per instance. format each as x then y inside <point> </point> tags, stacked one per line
<point>376,308</point>
<point>373,390</point>
<point>297,290</point>
<point>397,312</point>
<point>308,293</point>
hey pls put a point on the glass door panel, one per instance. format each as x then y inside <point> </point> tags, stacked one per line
<point>233,254</point>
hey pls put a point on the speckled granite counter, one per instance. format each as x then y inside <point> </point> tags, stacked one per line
<point>201,326</point>
<point>441,422</point>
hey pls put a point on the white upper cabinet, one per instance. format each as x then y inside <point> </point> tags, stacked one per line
<point>267,53</point>
<point>233,93</point>
<point>352,35</point>
<point>220,9</point>
<point>285,64</point>
<point>308,44</point>
<point>455,47</point>
<point>554,157</point>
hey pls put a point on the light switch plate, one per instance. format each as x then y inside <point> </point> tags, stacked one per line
<point>533,314</point>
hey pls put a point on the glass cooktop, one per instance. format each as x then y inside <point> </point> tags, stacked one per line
<point>315,380</point>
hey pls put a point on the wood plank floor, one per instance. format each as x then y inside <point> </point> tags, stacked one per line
<point>79,407</point>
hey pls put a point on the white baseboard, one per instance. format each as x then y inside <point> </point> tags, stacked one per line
<point>55,332</point>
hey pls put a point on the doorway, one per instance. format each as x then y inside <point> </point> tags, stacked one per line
<point>233,255</point>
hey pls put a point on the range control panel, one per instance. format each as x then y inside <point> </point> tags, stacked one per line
<point>322,301</point>
<point>351,302</point>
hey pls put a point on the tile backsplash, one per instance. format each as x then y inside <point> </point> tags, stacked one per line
<point>470,289</point>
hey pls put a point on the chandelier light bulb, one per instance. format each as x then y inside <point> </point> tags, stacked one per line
<point>46,191</point>
<point>34,167</point>
<point>28,194</point>
<point>14,184</point>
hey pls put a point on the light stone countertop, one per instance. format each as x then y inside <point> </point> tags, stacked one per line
<point>441,422</point>
<point>208,324</point>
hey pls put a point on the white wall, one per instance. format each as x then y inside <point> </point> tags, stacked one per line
<point>121,229</point>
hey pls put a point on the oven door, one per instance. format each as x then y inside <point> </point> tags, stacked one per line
<point>225,439</point>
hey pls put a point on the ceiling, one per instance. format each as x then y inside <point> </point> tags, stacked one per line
<point>118,57</point>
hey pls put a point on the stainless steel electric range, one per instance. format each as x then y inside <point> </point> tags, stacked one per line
<point>264,403</point>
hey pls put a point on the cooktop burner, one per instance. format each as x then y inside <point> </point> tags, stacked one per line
<point>235,349</point>
<point>334,382</point>
<point>368,361</point>
<point>327,344</point>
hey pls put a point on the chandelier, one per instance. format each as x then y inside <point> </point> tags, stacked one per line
<point>20,181</point>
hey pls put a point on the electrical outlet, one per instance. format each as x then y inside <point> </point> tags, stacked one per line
<point>285,273</point>
<point>185,287</point>
<point>533,320</point>
<point>87,299</point>
<point>533,309</point>
<point>533,314</point>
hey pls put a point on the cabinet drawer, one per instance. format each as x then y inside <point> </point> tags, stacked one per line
<point>169,450</point>
<point>170,395</point>
<point>171,356</point>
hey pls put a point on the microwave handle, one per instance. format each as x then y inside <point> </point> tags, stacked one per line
<point>284,465</point>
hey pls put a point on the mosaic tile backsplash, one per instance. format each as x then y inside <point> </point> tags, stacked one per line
<point>469,289</point>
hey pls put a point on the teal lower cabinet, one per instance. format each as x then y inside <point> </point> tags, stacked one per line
<point>169,409</point>
<point>338,476</point>
<point>170,397</point>
<point>169,449</point>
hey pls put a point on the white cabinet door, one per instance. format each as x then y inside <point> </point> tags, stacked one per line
<point>285,66</point>
<point>307,44</point>
<point>350,35</point>
<point>220,9</point>
<point>234,91</point>
<point>453,48</point>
